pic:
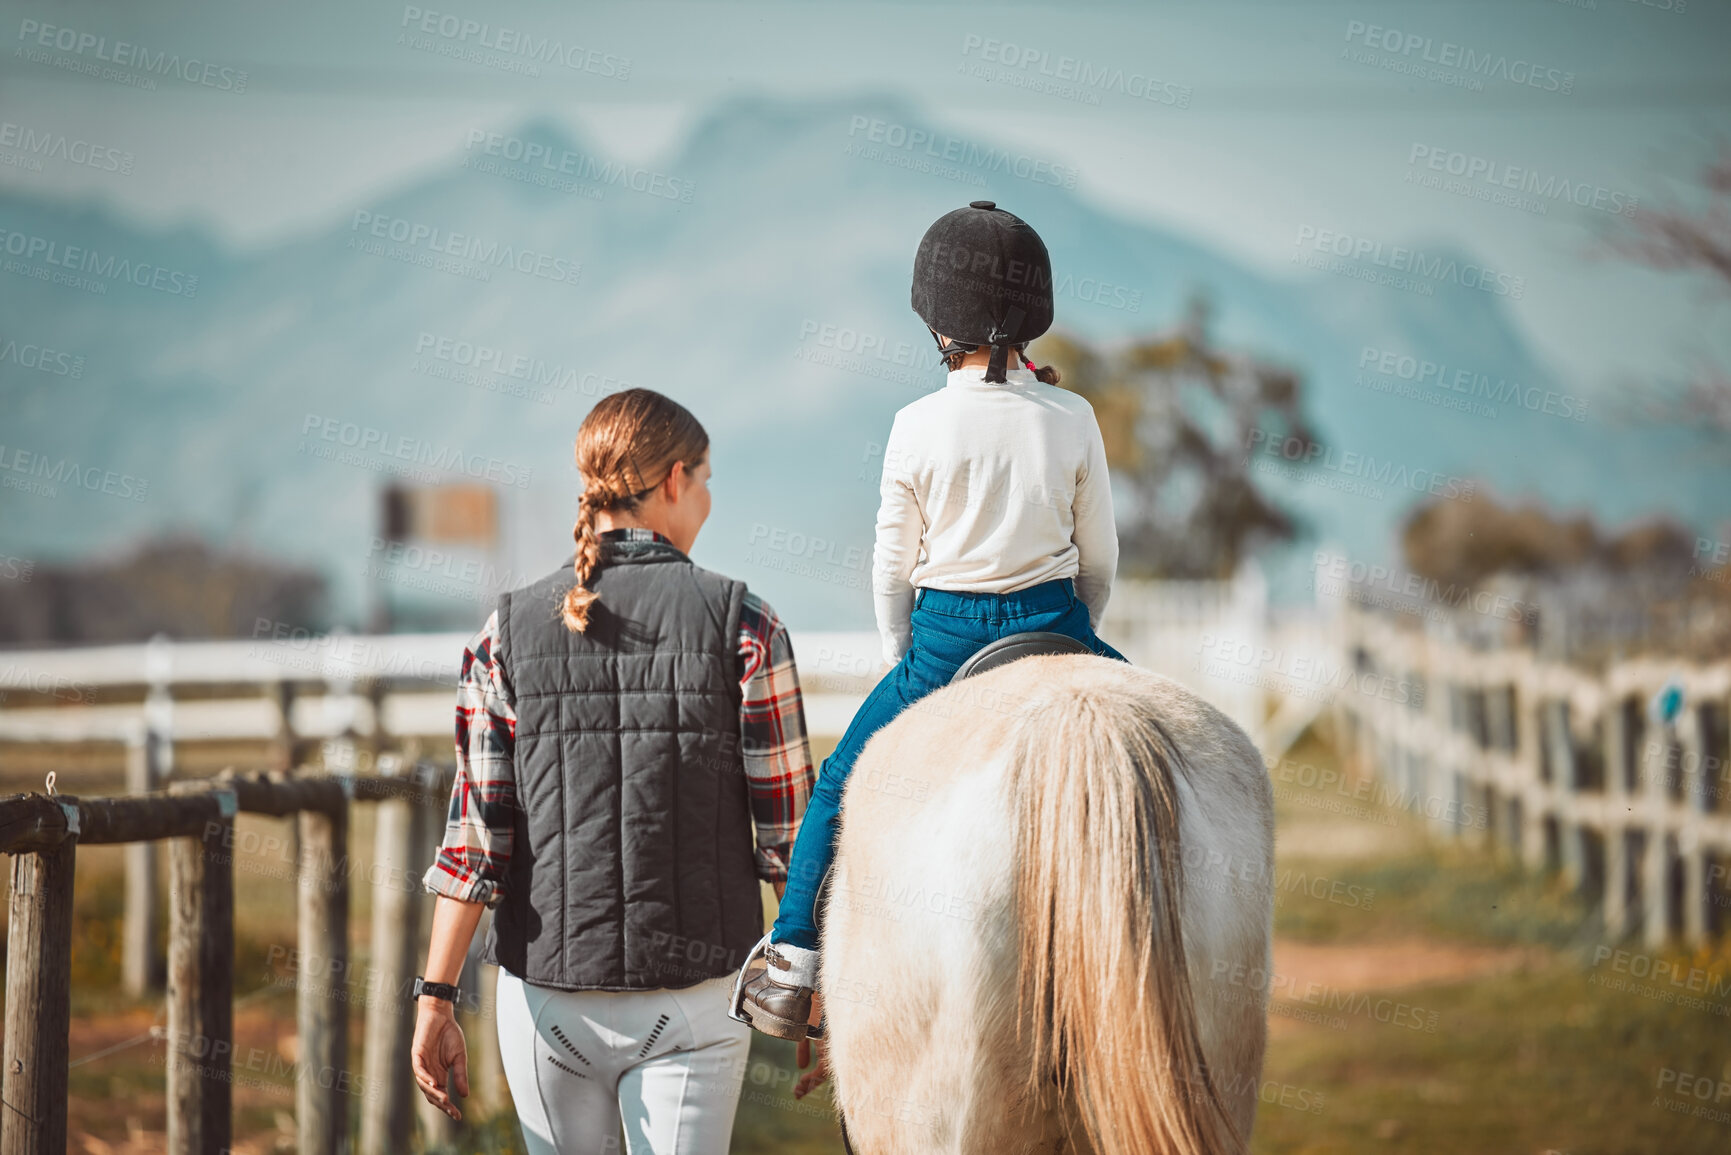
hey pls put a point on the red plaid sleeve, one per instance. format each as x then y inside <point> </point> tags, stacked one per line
<point>478,825</point>
<point>773,738</point>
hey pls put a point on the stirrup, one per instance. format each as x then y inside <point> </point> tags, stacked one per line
<point>736,1001</point>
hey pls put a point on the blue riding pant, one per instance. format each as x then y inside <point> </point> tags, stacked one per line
<point>948,628</point>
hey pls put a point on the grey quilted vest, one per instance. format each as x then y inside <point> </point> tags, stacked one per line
<point>632,865</point>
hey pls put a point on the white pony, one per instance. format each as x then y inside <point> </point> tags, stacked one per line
<point>1016,958</point>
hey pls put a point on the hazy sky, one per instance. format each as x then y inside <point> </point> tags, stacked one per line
<point>1267,117</point>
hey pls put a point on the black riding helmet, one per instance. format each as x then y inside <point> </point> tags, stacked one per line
<point>982,277</point>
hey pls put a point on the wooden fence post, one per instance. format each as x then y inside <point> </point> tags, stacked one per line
<point>201,987</point>
<point>487,1070</point>
<point>1535,791</point>
<point>324,1083</point>
<point>284,752</point>
<point>38,1000</point>
<point>1566,783</point>
<point>1654,806</point>
<point>149,763</point>
<point>1618,868</point>
<point>1692,764</point>
<point>387,1116</point>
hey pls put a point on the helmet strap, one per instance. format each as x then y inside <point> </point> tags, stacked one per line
<point>1000,340</point>
<point>948,349</point>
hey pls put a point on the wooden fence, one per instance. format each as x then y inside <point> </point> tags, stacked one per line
<point>42,833</point>
<point>1618,778</point>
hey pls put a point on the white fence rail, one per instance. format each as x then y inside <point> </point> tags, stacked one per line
<point>295,685</point>
<point>1167,627</point>
<point>310,686</point>
<point>1617,779</point>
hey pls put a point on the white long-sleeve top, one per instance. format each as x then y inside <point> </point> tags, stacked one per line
<point>991,488</point>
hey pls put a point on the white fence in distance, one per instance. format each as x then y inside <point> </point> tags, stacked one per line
<point>1563,768</point>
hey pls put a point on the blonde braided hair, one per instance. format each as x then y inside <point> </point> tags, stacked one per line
<point>629,436</point>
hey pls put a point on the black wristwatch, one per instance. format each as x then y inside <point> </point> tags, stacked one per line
<point>446,991</point>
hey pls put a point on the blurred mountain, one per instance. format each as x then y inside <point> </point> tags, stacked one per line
<point>465,323</point>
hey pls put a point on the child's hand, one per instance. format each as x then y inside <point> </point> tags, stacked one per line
<point>818,1075</point>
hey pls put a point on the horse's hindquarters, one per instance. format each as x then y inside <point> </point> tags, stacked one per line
<point>919,949</point>
<point>996,827</point>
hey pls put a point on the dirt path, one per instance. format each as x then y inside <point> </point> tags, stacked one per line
<point>1397,963</point>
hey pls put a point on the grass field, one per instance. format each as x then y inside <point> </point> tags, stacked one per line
<point>1429,999</point>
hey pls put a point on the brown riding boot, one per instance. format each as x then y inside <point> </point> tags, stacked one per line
<point>775,1002</point>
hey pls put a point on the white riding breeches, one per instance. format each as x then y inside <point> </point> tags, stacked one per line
<point>664,1065</point>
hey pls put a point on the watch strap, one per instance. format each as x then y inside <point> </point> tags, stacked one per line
<point>447,991</point>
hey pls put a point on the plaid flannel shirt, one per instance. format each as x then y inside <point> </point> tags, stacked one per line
<point>470,865</point>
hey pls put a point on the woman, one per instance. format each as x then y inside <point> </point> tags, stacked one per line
<point>617,738</point>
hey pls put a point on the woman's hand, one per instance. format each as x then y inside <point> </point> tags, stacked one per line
<point>818,1075</point>
<point>437,1050</point>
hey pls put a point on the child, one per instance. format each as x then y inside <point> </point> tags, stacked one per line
<point>996,519</point>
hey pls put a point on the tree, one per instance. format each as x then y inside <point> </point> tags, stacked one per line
<point>1678,238</point>
<point>1176,414</point>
